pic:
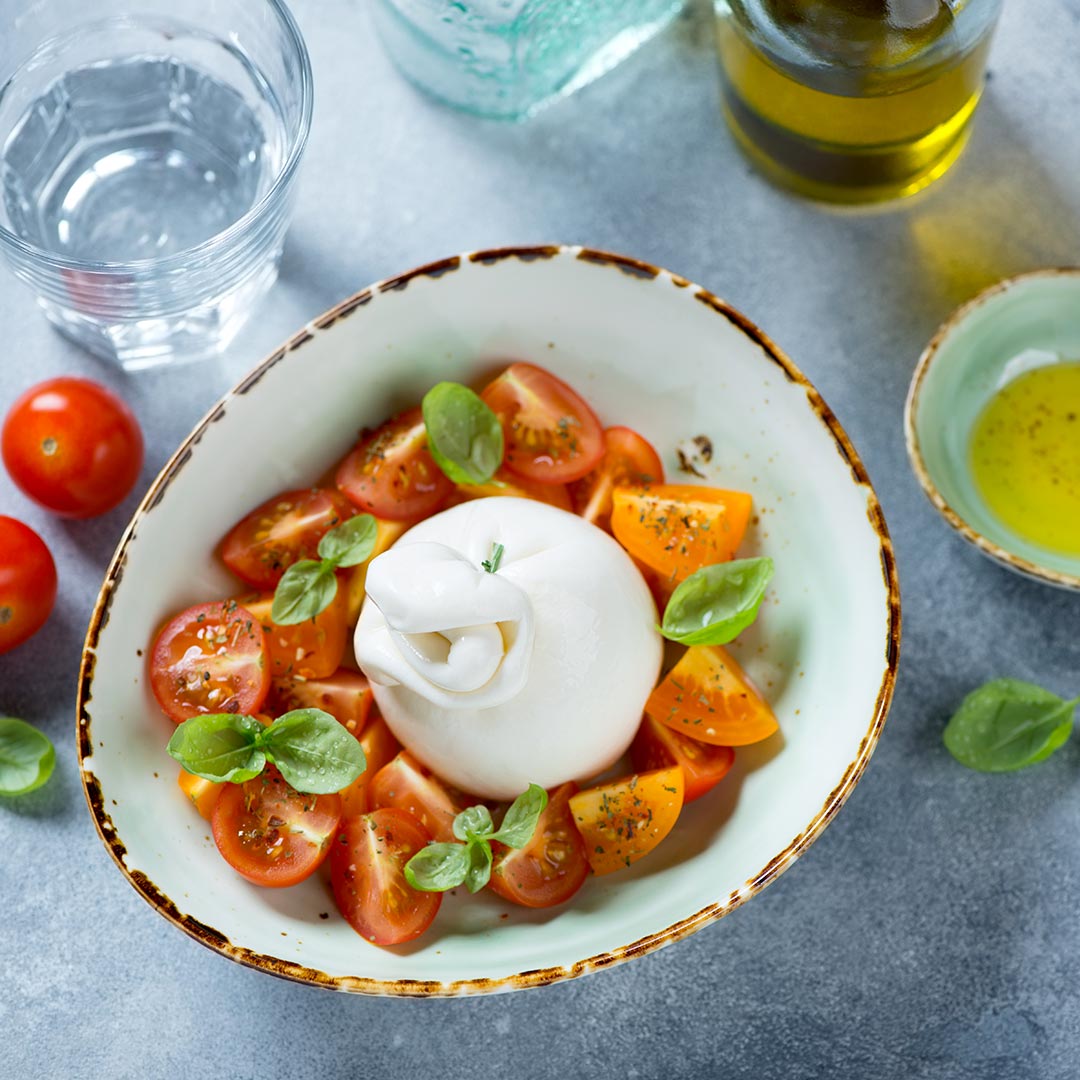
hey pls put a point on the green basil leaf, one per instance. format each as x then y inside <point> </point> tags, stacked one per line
<point>314,752</point>
<point>1007,724</point>
<point>475,821</point>
<point>27,757</point>
<point>716,604</point>
<point>219,746</point>
<point>479,872</point>
<point>464,436</point>
<point>438,867</point>
<point>519,824</point>
<point>307,588</point>
<point>351,543</point>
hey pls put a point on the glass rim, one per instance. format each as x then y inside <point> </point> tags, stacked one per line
<point>49,259</point>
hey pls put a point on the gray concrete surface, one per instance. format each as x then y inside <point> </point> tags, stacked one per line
<point>933,933</point>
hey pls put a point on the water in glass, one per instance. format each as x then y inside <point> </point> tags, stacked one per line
<point>147,164</point>
<point>135,158</point>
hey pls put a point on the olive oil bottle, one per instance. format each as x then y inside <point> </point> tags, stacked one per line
<point>853,100</point>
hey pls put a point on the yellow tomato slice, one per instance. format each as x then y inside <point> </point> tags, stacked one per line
<point>625,819</point>
<point>202,793</point>
<point>708,697</point>
<point>677,529</point>
<point>387,533</point>
<point>505,482</point>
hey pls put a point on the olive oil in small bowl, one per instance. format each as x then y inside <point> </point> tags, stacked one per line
<point>1025,453</point>
<point>993,424</point>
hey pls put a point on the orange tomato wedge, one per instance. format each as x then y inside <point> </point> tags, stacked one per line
<point>518,487</point>
<point>202,793</point>
<point>677,529</point>
<point>624,820</point>
<point>346,696</point>
<point>312,649</point>
<point>707,696</point>
<point>380,748</point>
<point>660,585</point>
<point>657,746</point>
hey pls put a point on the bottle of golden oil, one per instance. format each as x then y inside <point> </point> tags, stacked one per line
<point>853,100</point>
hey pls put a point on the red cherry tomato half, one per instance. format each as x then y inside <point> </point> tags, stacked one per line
<point>552,866</point>
<point>72,446</point>
<point>551,434</point>
<point>367,871</point>
<point>210,659</point>
<point>283,530</point>
<point>659,747</point>
<point>405,784</point>
<point>271,834</point>
<point>27,583</point>
<point>629,461</point>
<point>391,474</point>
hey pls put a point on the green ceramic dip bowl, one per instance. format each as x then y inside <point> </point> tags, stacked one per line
<point>1020,322</point>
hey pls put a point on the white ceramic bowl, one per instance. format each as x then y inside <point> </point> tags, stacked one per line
<point>647,349</point>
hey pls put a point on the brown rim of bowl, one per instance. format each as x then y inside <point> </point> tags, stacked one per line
<point>541,976</point>
<point>995,551</point>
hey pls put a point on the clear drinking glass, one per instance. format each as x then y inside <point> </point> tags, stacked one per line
<point>148,152</point>
<point>853,100</point>
<point>506,58</point>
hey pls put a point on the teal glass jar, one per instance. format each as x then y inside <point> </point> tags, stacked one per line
<point>507,58</point>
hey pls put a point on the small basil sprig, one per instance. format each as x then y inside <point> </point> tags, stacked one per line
<point>492,563</point>
<point>1008,724</point>
<point>313,752</point>
<point>464,436</point>
<point>439,867</point>
<point>27,757</point>
<point>717,603</point>
<point>309,586</point>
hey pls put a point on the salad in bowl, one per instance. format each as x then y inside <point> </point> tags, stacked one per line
<point>552,617</point>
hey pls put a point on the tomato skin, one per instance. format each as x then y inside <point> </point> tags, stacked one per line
<point>708,697</point>
<point>345,695</point>
<point>72,446</point>
<point>676,529</point>
<point>629,461</point>
<point>405,784</point>
<point>380,748</point>
<point>367,872</point>
<point>312,649</point>
<point>27,583</point>
<point>260,547</point>
<point>552,436</point>
<point>392,475</point>
<point>254,823</point>
<point>622,821</point>
<point>659,747</point>
<point>552,866</point>
<point>221,639</point>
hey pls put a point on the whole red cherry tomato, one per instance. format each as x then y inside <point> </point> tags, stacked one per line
<point>27,583</point>
<point>72,446</point>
